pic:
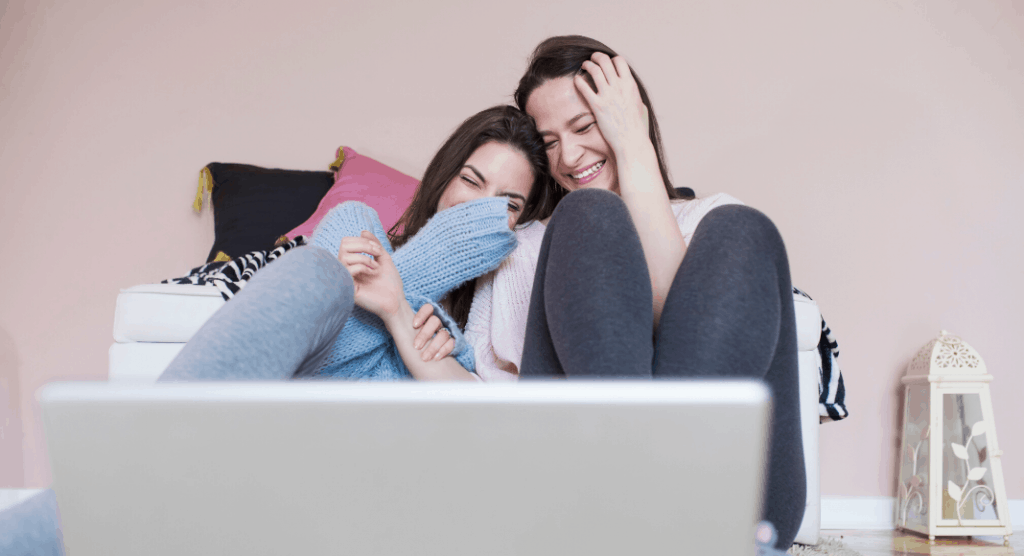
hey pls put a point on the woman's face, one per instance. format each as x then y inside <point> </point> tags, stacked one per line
<point>579,156</point>
<point>493,170</point>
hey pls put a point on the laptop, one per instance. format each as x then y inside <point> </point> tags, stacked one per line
<point>410,468</point>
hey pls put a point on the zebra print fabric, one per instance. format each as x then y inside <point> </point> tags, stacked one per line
<point>231,276</point>
<point>831,390</point>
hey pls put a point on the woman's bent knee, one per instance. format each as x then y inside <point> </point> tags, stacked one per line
<point>325,273</point>
<point>738,216</point>
<point>592,213</point>
<point>738,226</point>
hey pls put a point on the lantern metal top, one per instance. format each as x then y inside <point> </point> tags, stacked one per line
<point>947,355</point>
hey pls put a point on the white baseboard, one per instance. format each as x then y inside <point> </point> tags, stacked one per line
<point>876,512</point>
<point>837,512</point>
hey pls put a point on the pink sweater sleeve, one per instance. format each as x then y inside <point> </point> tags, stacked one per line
<point>497,319</point>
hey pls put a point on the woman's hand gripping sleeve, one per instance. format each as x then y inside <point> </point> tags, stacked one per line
<point>456,245</point>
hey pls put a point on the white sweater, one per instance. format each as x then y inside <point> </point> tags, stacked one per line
<point>497,319</point>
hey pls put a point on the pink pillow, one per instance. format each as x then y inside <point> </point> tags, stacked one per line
<point>362,178</point>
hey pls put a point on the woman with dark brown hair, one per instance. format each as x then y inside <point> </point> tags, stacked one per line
<point>630,278</point>
<point>488,176</point>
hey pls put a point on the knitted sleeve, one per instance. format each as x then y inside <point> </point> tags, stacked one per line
<point>348,219</point>
<point>456,245</point>
<point>463,351</point>
<point>361,351</point>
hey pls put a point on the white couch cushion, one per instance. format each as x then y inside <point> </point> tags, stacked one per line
<point>140,361</point>
<point>163,312</point>
<point>808,323</point>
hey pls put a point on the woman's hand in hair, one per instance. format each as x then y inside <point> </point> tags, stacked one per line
<point>433,339</point>
<point>378,286</point>
<point>620,113</point>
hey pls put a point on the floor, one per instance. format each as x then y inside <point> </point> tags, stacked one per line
<point>902,543</point>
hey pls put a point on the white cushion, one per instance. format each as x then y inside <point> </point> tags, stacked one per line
<point>141,361</point>
<point>163,312</point>
<point>809,423</point>
<point>808,323</point>
<point>808,332</point>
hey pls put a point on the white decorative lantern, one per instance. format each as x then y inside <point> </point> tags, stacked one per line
<point>951,473</point>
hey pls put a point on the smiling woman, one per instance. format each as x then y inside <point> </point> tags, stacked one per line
<point>577,151</point>
<point>624,260</point>
<point>493,170</point>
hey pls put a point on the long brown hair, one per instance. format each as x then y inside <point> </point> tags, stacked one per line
<point>500,124</point>
<point>563,57</point>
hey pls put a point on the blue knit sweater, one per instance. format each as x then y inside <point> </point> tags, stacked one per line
<point>456,245</point>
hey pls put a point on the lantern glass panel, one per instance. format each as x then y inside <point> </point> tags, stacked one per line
<point>913,489</point>
<point>967,492</point>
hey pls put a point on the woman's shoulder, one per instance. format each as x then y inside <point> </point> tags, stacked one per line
<point>701,205</point>
<point>689,212</point>
<point>531,233</point>
<point>705,203</point>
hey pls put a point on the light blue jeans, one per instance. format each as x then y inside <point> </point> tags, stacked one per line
<point>281,325</point>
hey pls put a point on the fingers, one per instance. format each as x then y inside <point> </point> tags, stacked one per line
<point>584,88</point>
<point>433,349</point>
<point>621,67</point>
<point>432,325</point>
<point>360,245</point>
<point>354,250</point>
<point>605,69</point>
<point>360,265</point>
<point>368,235</point>
<point>356,271</point>
<point>606,64</point>
<point>435,341</point>
<point>606,72</point>
<point>421,316</point>
<point>597,73</point>
<point>445,350</point>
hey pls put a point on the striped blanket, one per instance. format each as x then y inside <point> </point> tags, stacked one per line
<point>831,390</point>
<point>229,277</point>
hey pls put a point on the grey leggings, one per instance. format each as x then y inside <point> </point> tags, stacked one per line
<point>729,313</point>
<point>280,326</point>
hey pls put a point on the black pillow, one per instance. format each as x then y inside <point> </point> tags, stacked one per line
<point>254,206</point>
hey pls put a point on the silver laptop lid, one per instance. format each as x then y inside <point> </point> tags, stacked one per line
<point>408,468</point>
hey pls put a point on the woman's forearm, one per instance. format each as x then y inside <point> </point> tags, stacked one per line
<point>400,326</point>
<point>643,191</point>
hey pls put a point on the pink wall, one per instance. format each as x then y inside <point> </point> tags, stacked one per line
<point>884,138</point>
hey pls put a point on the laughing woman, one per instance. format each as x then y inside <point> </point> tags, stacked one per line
<point>630,279</point>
